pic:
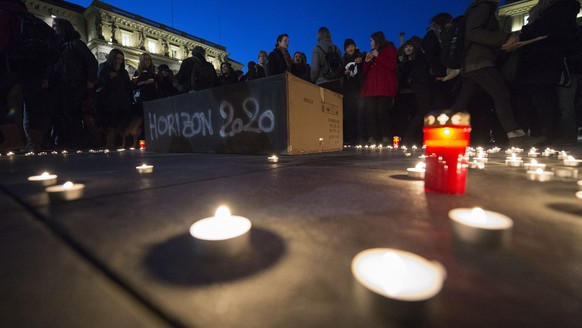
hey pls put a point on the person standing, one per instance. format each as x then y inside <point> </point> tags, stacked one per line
<point>319,57</point>
<point>555,19</point>
<point>380,86</point>
<point>263,57</point>
<point>483,40</point>
<point>279,59</point>
<point>353,61</point>
<point>113,96</point>
<point>74,78</point>
<point>299,67</point>
<point>165,77</point>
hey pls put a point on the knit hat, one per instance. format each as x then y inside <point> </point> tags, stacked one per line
<point>163,67</point>
<point>347,42</point>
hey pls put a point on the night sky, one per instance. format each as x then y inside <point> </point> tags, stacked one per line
<point>245,27</point>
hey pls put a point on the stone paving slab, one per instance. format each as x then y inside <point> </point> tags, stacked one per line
<point>45,283</point>
<point>311,215</point>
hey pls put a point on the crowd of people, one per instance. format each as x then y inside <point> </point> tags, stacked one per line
<point>520,91</point>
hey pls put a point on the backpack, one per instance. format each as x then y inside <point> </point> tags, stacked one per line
<point>203,75</point>
<point>37,45</point>
<point>333,66</point>
<point>453,47</point>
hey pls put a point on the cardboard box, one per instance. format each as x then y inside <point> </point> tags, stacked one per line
<point>279,114</point>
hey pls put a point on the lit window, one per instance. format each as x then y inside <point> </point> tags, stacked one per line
<point>174,53</point>
<point>525,18</point>
<point>126,39</point>
<point>152,46</point>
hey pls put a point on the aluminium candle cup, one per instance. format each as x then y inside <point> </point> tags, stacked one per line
<point>534,165</point>
<point>224,244</point>
<point>44,179</point>
<point>566,172</point>
<point>571,161</point>
<point>494,231</point>
<point>384,289</point>
<point>65,192</point>
<point>415,173</point>
<point>273,159</point>
<point>145,168</point>
<point>539,175</point>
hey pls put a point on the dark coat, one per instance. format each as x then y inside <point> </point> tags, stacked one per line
<point>255,72</point>
<point>182,79</point>
<point>483,38</point>
<point>431,45</point>
<point>302,71</point>
<point>276,64</point>
<point>354,83</point>
<point>414,70</point>
<point>146,91</point>
<point>542,62</point>
<point>113,97</point>
<point>77,64</point>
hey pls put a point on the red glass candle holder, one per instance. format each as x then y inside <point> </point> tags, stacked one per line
<point>396,141</point>
<point>142,144</point>
<point>446,137</point>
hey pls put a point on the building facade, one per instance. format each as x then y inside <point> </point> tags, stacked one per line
<point>514,14</point>
<point>104,27</point>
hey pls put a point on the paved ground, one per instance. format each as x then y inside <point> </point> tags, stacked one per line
<point>121,256</point>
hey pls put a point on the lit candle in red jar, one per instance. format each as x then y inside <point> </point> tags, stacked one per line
<point>446,137</point>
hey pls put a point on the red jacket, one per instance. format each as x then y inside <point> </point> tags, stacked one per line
<point>380,77</point>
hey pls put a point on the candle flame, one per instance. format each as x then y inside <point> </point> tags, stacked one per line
<point>393,269</point>
<point>539,171</point>
<point>420,165</point>
<point>45,174</point>
<point>478,215</point>
<point>447,131</point>
<point>571,158</point>
<point>68,185</point>
<point>534,162</point>
<point>222,212</point>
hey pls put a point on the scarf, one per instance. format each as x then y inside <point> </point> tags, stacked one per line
<point>287,57</point>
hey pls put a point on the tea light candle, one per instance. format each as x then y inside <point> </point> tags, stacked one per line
<point>534,165</point>
<point>144,168</point>
<point>477,226</point>
<point>45,179</point>
<point>397,274</point>
<point>480,159</point>
<point>273,159</point>
<point>563,155</point>
<point>540,175</point>
<point>221,235</point>
<point>533,153</point>
<point>566,172</point>
<point>513,161</point>
<point>571,161</point>
<point>579,194</point>
<point>476,165</point>
<point>417,172</point>
<point>9,154</point>
<point>67,191</point>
